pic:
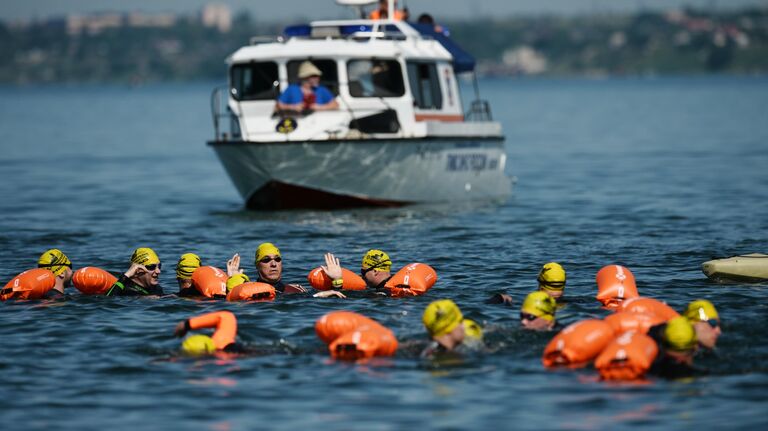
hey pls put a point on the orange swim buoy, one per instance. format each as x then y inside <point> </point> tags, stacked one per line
<point>352,336</point>
<point>630,321</point>
<point>363,344</point>
<point>615,283</point>
<point>332,325</point>
<point>628,357</point>
<point>412,280</point>
<point>577,344</point>
<point>211,282</point>
<point>225,323</point>
<point>31,284</point>
<point>319,280</point>
<point>650,306</point>
<point>90,280</point>
<point>252,291</point>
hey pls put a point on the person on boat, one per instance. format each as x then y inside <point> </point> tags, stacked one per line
<point>141,278</point>
<point>428,21</point>
<point>449,330</point>
<point>59,264</point>
<point>186,266</point>
<point>538,311</point>
<point>308,94</point>
<point>706,322</point>
<point>382,12</point>
<point>223,339</point>
<point>677,344</point>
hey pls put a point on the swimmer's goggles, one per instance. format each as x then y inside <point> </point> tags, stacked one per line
<point>364,271</point>
<point>267,259</point>
<point>153,266</point>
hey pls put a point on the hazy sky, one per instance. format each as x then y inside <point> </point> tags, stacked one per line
<point>266,10</point>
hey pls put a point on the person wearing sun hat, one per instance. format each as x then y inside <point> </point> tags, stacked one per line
<point>538,311</point>
<point>142,276</point>
<point>308,94</point>
<point>449,330</point>
<point>59,264</point>
<point>552,279</point>
<point>677,346</point>
<point>706,322</point>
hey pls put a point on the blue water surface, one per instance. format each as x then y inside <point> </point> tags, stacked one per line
<point>658,175</point>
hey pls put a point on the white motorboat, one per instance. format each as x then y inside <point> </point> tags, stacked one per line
<point>400,136</point>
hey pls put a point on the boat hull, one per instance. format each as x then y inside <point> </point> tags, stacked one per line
<point>745,268</point>
<point>371,172</point>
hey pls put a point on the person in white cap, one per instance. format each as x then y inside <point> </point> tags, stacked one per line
<point>308,94</point>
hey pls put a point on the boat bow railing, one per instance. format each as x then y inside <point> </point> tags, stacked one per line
<point>222,114</point>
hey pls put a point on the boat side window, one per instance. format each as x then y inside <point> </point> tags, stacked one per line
<point>329,79</point>
<point>375,78</point>
<point>254,81</point>
<point>425,85</point>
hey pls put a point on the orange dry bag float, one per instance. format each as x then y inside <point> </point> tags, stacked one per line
<point>626,321</point>
<point>353,336</point>
<point>320,280</point>
<point>252,291</point>
<point>615,283</point>
<point>628,357</point>
<point>31,284</point>
<point>210,282</point>
<point>413,280</point>
<point>650,306</point>
<point>577,344</point>
<point>92,281</point>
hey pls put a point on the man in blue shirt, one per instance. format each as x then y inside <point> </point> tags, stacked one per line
<point>308,94</point>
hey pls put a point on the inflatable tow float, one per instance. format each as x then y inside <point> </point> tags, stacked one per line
<point>750,268</point>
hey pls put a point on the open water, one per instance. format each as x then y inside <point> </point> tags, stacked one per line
<point>658,175</point>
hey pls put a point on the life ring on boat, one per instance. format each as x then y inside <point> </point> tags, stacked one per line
<point>577,344</point>
<point>650,306</point>
<point>211,282</point>
<point>30,284</point>
<point>319,280</point>
<point>286,125</point>
<point>414,279</point>
<point>363,344</point>
<point>628,357</point>
<point>332,325</point>
<point>630,321</point>
<point>90,280</point>
<point>615,284</point>
<point>252,291</point>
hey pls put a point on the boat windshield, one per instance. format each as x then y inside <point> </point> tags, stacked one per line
<point>254,81</point>
<point>375,78</point>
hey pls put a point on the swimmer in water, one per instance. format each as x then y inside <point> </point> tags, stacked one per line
<point>59,264</point>
<point>449,330</point>
<point>142,276</point>
<point>223,339</point>
<point>186,266</point>
<point>677,344</point>
<point>538,311</point>
<point>551,280</point>
<point>706,322</point>
<point>269,264</point>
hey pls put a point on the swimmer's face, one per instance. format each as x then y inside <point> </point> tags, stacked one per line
<point>529,321</point>
<point>149,278</point>
<point>67,276</point>
<point>184,283</point>
<point>556,294</point>
<point>707,334</point>
<point>271,268</point>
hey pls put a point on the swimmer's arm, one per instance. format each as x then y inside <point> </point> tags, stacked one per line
<point>332,269</point>
<point>329,293</point>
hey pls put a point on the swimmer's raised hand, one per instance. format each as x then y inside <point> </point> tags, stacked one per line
<point>233,266</point>
<point>332,267</point>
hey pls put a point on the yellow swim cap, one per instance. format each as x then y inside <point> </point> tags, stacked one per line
<point>144,256</point>
<point>441,317</point>
<point>197,345</point>
<point>188,263</point>
<point>540,304</point>
<point>701,310</point>
<point>552,277</point>
<point>472,329</point>
<point>376,259</point>
<point>236,280</point>
<point>266,249</point>
<point>679,335</point>
<point>54,260</point>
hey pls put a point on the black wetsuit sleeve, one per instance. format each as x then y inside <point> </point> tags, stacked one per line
<point>124,286</point>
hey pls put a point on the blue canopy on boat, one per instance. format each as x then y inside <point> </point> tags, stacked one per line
<point>462,60</point>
